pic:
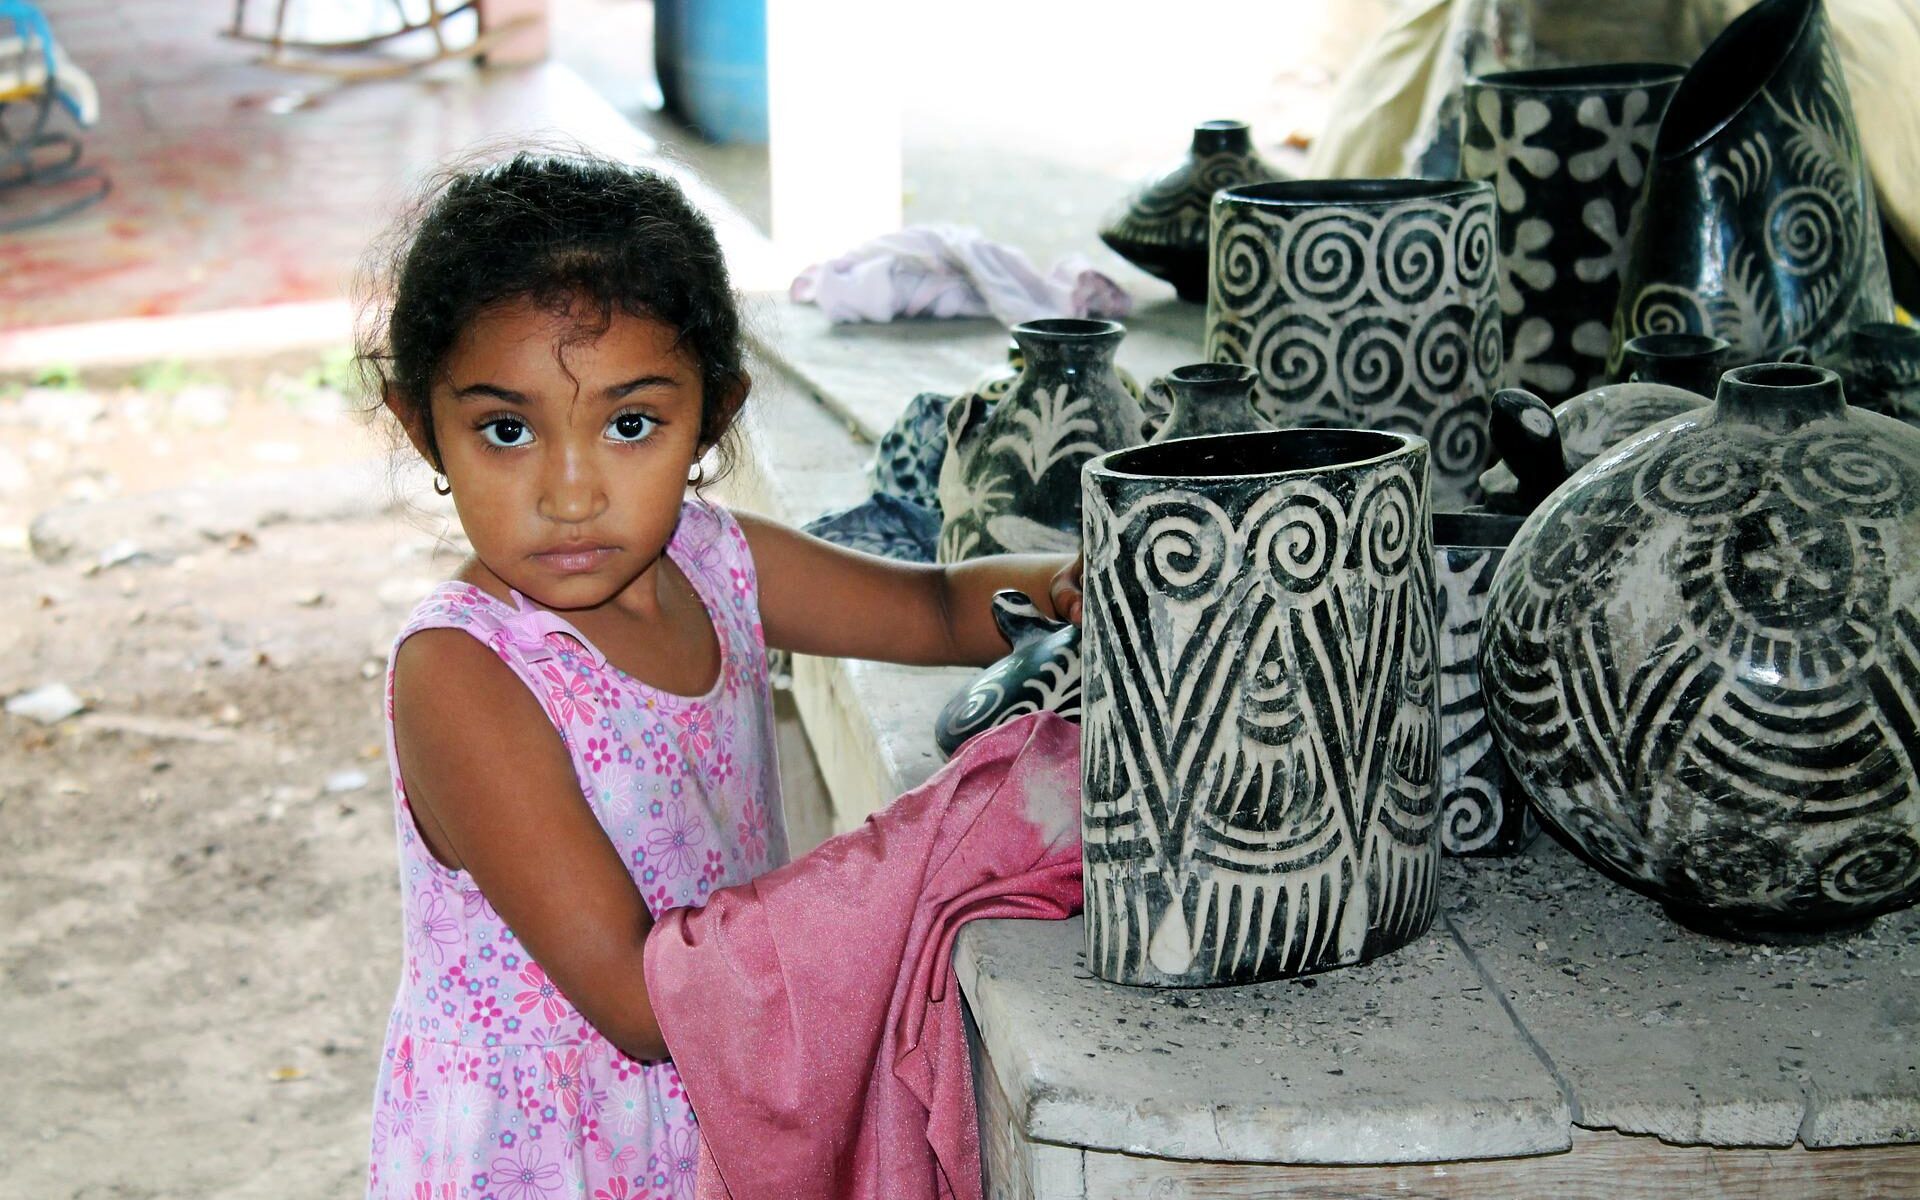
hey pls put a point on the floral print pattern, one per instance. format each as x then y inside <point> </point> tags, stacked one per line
<point>493,1086</point>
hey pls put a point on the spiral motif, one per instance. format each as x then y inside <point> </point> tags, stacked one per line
<point>1293,361</point>
<point>1443,351</point>
<point>1459,441</point>
<point>1373,364</point>
<point>985,697</point>
<point>1389,523</point>
<point>1872,865</point>
<point>1296,535</point>
<point>1708,480</point>
<point>1413,256</point>
<point>1327,257</point>
<point>1473,245</point>
<point>1218,171</point>
<point>1489,345</point>
<point>1469,817</point>
<point>1179,546</point>
<point>1243,275</point>
<point>1805,231</point>
<point>1850,475</point>
<point>1664,308</point>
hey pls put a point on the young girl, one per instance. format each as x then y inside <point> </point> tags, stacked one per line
<point>579,724</point>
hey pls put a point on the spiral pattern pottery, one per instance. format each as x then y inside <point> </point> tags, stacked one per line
<point>1366,304</point>
<point>1703,658</point>
<point>1259,743</point>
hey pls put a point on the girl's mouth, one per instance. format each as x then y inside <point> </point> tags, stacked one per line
<point>575,560</point>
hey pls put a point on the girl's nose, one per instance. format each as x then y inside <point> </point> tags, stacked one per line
<point>572,492</point>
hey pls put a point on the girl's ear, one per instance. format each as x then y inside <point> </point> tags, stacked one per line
<point>413,422</point>
<point>736,396</point>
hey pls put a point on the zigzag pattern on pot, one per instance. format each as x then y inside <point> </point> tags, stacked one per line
<point>1260,754</point>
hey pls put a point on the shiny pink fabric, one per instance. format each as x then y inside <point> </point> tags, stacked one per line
<point>812,1013</point>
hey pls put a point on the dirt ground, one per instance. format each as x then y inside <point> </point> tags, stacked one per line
<point>198,913</point>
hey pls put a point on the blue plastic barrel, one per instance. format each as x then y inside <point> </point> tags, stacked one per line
<point>711,57</point>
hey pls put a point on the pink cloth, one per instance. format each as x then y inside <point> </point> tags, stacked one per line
<point>811,1012</point>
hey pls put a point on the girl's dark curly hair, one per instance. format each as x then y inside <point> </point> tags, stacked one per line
<point>568,233</point>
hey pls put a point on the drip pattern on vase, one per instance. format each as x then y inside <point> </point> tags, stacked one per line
<point>1566,150</point>
<point>1703,657</point>
<point>1259,730</point>
<point>1365,304</point>
<point>1762,227</point>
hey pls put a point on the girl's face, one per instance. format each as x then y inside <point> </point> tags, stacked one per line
<point>568,462</point>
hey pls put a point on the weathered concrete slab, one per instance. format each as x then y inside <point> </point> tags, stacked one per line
<point>1695,1040</point>
<point>1408,1059</point>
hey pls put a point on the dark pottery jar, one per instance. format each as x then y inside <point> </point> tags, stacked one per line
<point>1010,481</point>
<point>1368,304</point>
<point>1883,369</point>
<point>994,384</point>
<point>1692,361</point>
<point>1207,398</point>
<point>1566,149</point>
<point>1702,659</point>
<point>1481,812</point>
<point>1759,224</point>
<point>1162,226</point>
<point>1259,729</point>
<point>1041,674</point>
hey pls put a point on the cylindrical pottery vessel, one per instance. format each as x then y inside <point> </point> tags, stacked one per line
<point>1690,361</point>
<point>1481,812</point>
<point>1259,732</point>
<point>1162,227</point>
<point>1703,659</point>
<point>1566,151</point>
<point>1208,398</point>
<point>1364,303</point>
<point>1010,481</point>
<point>1759,223</point>
<point>1883,369</point>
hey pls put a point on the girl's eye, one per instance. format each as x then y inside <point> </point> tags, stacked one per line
<point>506,432</point>
<point>631,427</point>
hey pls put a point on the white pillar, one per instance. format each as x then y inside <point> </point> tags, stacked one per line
<point>833,124</point>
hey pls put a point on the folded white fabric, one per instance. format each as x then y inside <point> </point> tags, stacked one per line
<point>954,271</point>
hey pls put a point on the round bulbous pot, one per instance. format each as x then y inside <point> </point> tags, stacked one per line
<point>1161,227</point>
<point>1041,673</point>
<point>1259,730</point>
<point>1702,657</point>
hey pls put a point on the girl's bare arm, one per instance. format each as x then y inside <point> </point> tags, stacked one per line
<point>818,598</point>
<point>494,793</point>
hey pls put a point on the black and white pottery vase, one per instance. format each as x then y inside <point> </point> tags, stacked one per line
<point>1364,303</point>
<point>1010,481</point>
<point>994,384</point>
<point>1162,227</point>
<point>1702,659</point>
<point>1759,223</point>
<point>1259,729</point>
<point>1883,369</point>
<point>1481,812</point>
<point>1566,151</point>
<point>1691,361</point>
<point>1041,674</point>
<point>1205,399</point>
<point>1584,428</point>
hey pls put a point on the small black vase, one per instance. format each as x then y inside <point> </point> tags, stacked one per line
<point>1883,369</point>
<point>1692,361</point>
<point>1208,398</point>
<point>1162,227</point>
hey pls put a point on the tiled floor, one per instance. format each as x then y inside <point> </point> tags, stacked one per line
<point>237,186</point>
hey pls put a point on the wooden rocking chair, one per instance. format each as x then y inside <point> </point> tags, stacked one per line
<point>321,57</point>
<point>41,178</point>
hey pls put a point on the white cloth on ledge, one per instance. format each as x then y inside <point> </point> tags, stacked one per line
<point>954,271</point>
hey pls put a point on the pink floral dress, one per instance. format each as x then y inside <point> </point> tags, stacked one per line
<point>492,1086</point>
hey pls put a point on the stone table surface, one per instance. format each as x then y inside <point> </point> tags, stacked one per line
<point>1545,998</point>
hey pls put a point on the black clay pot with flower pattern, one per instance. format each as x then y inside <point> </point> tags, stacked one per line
<point>1566,149</point>
<point>1702,659</point>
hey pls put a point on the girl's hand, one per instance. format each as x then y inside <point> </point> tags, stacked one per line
<point>1065,590</point>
